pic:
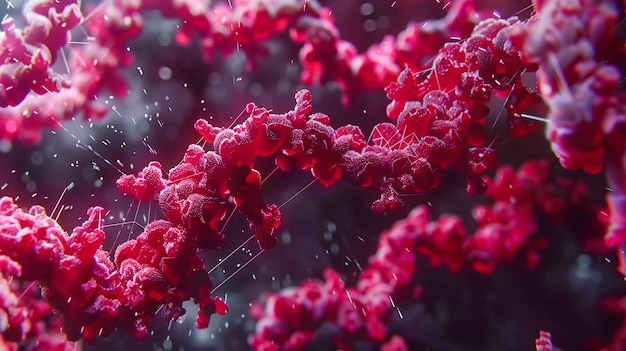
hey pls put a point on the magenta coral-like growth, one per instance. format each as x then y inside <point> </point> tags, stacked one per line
<point>94,295</point>
<point>291,317</point>
<point>441,78</point>
<point>27,55</point>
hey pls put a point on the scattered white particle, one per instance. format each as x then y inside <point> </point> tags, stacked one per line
<point>358,265</point>
<point>286,238</point>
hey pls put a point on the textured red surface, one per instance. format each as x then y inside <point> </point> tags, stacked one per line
<point>441,78</point>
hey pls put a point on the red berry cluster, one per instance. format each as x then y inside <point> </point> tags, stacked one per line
<point>575,45</point>
<point>93,294</point>
<point>25,317</point>
<point>27,54</point>
<point>403,158</point>
<point>439,75</point>
<point>291,317</point>
<point>94,68</point>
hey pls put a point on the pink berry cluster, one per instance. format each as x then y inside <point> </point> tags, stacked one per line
<point>26,59</point>
<point>25,317</point>
<point>440,77</point>
<point>28,54</point>
<point>579,59</point>
<point>406,158</point>
<point>289,319</point>
<point>94,68</point>
<point>94,295</point>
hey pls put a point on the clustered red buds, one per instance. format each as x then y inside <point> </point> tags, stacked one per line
<point>482,63</point>
<point>578,78</point>
<point>407,157</point>
<point>94,295</point>
<point>94,68</point>
<point>26,55</point>
<point>26,59</point>
<point>26,320</point>
<point>439,91</point>
<point>325,57</point>
<point>291,317</point>
<point>578,89</point>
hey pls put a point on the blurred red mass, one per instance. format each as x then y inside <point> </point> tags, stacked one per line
<point>410,105</point>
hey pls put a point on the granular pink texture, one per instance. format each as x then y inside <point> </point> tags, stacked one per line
<point>26,55</point>
<point>26,321</point>
<point>289,319</point>
<point>407,157</point>
<point>94,295</point>
<point>439,89</point>
<point>94,68</point>
<point>578,78</point>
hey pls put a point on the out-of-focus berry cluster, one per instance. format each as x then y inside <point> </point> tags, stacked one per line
<point>289,319</point>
